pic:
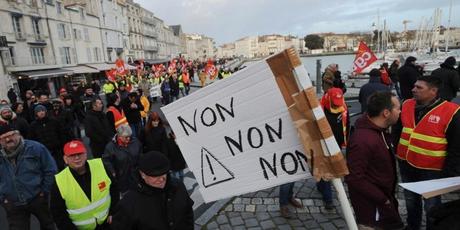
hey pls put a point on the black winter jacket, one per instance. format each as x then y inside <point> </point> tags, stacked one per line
<point>50,133</point>
<point>155,140</point>
<point>122,161</point>
<point>98,130</point>
<point>132,115</point>
<point>148,208</point>
<point>175,155</point>
<point>408,75</point>
<point>450,81</point>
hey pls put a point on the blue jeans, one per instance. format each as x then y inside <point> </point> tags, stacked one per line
<point>286,193</point>
<point>414,200</point>
<point>324,187</point>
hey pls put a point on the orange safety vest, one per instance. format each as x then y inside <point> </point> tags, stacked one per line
<point>424,145</point>
<point>326,104</point>
<point>119,118</point>
<point>185,78</point>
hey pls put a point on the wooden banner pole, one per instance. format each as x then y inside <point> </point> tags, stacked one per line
<point>290,88</point>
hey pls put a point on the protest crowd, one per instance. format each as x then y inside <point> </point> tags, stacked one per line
<point>130,176</point>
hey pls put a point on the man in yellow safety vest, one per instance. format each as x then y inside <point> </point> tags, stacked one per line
<point>82,196</point>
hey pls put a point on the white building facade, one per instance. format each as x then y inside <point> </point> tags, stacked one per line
<point>200,47</point>
<point>135,25</point>
<point>260,46</point>
<point>150,34</point>
<point>114,29</point>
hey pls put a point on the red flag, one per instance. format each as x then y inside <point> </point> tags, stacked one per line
<point>110,74</point>
<point>363,58</point>
<point>121,69</point>
<point>211,70</point>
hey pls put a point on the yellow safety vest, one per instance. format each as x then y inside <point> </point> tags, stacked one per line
<point>181,83</point>
<point>86,214</point>
<point>225,75</point>
<point>108,88</point>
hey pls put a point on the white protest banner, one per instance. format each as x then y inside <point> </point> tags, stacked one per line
<point>237,136</point>
<point>155,91</point>
<point>430,188</point>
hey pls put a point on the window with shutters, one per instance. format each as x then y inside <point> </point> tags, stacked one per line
<point>37,55</point>
<point>65,55</point>
<point>36,29</point>
<point>12,55</point>
<point>97,54</point>
<point>109,54</point>
<point>77,34</point>
<point>88,54</point>
<point>58,7</point>
<point>20,35</point>
<point>8,57</point>
<point>63,31</point>
<point>86,32</point>
<point>82,13</point>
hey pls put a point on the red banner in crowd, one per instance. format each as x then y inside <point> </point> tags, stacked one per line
<point>363,58</point>
<point>111,74</point>
<point>211,69</point>
<point>121,69</point>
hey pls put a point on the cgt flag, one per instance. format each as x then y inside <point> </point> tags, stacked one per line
<point>111,74</point>
<point>120,66</point>
<point>211,69</point>
<point>363,58</point>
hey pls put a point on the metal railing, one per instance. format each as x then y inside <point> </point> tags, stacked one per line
<point>20,36</point>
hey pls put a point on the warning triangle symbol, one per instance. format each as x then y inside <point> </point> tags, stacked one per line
<point>212,170</point>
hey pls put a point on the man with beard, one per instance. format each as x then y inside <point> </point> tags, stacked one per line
<point>27,170</point>
<point>372,179</point>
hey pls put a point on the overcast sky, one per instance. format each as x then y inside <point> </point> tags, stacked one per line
<point>229,20</point>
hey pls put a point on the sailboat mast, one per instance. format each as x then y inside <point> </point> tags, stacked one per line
<point>447,35</point>
<point>378,30</point>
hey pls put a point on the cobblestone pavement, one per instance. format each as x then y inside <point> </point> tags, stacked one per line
<point>260,210</point>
